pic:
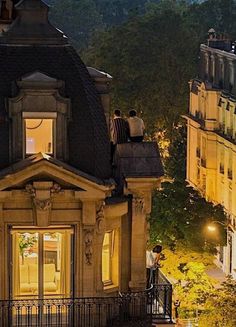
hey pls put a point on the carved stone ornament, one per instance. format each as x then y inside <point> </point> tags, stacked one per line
<point>139,205</point>
<point>88,242</point>
<point>100,220</point>
<point>42,204</point>
<point>55,189</point>
<point>30,189</point>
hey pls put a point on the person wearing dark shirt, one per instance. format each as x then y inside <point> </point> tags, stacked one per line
<point>119,129</point>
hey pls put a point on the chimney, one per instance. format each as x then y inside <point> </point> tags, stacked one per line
<point>220,41</point>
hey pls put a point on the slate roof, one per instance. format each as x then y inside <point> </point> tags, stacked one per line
<point>89,148</point>
<point>31,25</point>
<point>32,160</point>
<point>139,160</point>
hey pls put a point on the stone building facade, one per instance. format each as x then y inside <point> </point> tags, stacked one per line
<point>65,231</point>
<point>211,151</point>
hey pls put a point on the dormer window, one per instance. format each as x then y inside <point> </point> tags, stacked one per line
<point>39,118</point>
<point>38,136</point>
<point>39,133</point>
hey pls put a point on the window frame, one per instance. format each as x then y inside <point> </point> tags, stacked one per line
<point>39,115</point>
<point>41,256</point>
<point>111,233</point>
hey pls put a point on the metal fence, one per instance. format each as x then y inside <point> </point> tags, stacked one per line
<point>160,278</point>
<point>127,309</point>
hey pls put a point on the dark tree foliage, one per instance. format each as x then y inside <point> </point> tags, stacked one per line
<point>151,58</point>
<point>79,19</point>
<point>180,214</point>
<point>217,14</point>
<point>116,12</point>
<point>180,217</point>
<point>175,163</point>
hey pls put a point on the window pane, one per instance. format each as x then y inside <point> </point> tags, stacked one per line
<point>39,135</point>
<point>25,264</point>
<point>57,263</point>
<point>106,258</point>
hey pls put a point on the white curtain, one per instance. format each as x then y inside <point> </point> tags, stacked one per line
<point>65,263</point>
<point>16,265</point>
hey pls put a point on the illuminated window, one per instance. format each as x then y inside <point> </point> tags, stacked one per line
<point>41,264</point>
<point>107,259</point>
<point>230,166</point>
<point>39,132</point>
<point>38,135</point>
<point>110,258</point>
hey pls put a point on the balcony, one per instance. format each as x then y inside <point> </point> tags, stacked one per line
<point>127,309</point>
<point>203,162</point>
<point>222,128</point>
<point>198,152</point>
<point>222,169</point>
<point>230,174</point>
<point>198,115</point>
<point>229,133</point>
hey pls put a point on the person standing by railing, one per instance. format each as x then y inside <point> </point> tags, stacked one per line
<point>152,263</point>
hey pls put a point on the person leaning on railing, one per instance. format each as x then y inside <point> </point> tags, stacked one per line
<point>152,263</point>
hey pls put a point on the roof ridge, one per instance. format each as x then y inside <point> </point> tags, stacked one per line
<point>33,28</point>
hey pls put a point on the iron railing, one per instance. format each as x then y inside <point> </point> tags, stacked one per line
<point>127,309</point>
<point>160,278</point>
<point>162,292</point>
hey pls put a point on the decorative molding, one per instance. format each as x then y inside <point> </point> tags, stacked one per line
<point>56,104</point>
<point>88,243</point>
<point>100,219</point>
<point>31,190</point>
<point>139,205</point>
<point>55,189</point>
<point>42,204</point>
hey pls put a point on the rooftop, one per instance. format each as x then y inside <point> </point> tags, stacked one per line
<point>32,26</point>
<point>220,42</point>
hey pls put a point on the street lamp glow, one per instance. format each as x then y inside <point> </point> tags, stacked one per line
<point>211,228</point>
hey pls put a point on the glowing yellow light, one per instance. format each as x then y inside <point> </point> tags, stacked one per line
<point>211,228</point>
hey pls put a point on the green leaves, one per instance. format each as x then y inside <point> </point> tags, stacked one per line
<point>180,216</point>
<point>150,64</point>
<point>187,271</point>
<point>221,307</point>
<point>26,241</point>
<point>78,19</point>
<point>153,56</point>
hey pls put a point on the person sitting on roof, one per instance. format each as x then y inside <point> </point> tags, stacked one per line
<point>136,127</point>
<point>119,129</point>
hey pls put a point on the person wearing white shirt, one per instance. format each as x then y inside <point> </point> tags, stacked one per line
<point>136,127</point>
<point>152,261</point>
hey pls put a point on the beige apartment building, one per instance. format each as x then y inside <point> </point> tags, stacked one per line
<point>211,147</point>
<point>73,229</point>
